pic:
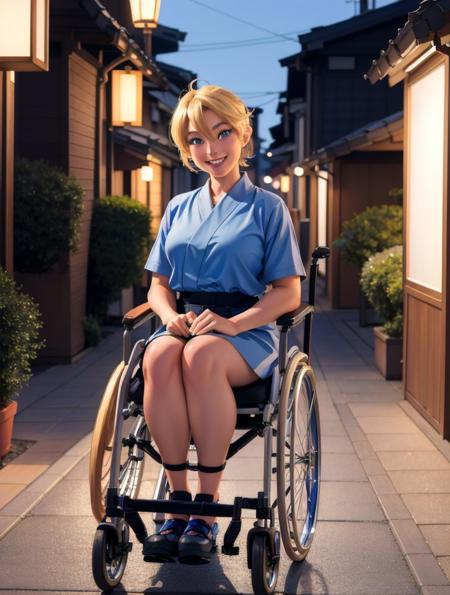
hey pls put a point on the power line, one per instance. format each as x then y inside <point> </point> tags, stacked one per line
<point>257,93</point>
<point>217,43</point>
<point>227,14</point>
<point>266,102</point>
<point>232,45</point>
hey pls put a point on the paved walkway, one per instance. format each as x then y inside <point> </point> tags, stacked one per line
<point>384,515</point>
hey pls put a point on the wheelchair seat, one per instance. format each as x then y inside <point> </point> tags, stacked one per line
<point>253,395</point>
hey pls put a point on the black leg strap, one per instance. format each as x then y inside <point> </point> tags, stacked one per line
<point>179,467</point>
<point>206,469</point>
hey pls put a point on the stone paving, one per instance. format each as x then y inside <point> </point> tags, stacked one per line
<point>384,524</point>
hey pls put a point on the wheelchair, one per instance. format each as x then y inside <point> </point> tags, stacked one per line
<point>284,406</point>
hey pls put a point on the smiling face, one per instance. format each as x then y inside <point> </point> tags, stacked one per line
<point>219,154</point>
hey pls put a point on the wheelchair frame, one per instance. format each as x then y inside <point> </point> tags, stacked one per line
<point>258,420</point>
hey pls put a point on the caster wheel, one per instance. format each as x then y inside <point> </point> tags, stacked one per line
<point>265,566</point>
<point>109,554</point>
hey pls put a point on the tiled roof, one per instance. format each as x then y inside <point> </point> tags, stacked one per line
<point>374,132</point>
<point>421,27</point>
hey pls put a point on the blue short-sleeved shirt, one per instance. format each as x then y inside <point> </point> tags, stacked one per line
<point>243,243</point>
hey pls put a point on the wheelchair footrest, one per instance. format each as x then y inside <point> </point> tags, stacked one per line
<point>233,529</point>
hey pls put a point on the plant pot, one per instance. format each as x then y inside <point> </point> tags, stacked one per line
<point>6,426</point>
<point>388,353</point>
<point>368,316</point>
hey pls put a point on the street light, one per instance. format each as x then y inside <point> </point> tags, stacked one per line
<point>126,97</point>
<point>145,14</point>
<point>24,35</point>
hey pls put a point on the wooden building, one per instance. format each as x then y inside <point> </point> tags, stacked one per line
<point>63,116</point>
<point>346,176</point>
<point>419,57</point>
<point>327,99</point>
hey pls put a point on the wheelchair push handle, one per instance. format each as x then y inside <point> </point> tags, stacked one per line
<point>318,253</point>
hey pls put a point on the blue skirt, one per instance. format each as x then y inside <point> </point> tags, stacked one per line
<point>258,346</point>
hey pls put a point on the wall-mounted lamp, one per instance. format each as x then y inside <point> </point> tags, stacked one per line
<point>269,153</point>
<point>285,184</point>
<point>276,184</point>
<point>299,171</point>
<point>146,173</point>
<point>267,179</point>
<point>126,97</point>
<point>24,35</point>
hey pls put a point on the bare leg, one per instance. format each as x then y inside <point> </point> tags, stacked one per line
<point>165,408</point>
<point>211,366</point>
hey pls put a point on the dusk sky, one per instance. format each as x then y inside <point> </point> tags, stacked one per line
<point>251,71</point>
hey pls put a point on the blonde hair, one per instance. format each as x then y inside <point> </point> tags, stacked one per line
<point>223,103</point>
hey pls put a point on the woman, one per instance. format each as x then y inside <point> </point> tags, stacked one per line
<point>220,246</point>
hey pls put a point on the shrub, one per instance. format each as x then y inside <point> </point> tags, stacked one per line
<point>369,232</point>
<point>382,283</point>
<point>47,210</point>
<point>20,322</point>
<point>92,331</point>
<point>119,243</point>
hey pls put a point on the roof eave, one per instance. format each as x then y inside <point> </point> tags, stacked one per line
<point>421,28</point>
<point>125,44</point>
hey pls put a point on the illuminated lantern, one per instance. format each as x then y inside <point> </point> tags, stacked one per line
<point>126,97</point>
<point>24,35</point>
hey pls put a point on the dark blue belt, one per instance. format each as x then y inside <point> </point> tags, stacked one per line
<point>220,302</point>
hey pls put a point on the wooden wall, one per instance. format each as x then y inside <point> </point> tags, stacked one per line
<point>81,150</point>
<point>360,180</point>
<point>56,122</point>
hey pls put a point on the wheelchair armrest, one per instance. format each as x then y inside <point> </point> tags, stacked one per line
<point>296,316</point>
<point>137,316</point>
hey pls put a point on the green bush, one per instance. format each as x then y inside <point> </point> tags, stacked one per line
<point>47,210</point>
<point>119,244</point>
<point>20,322</point>
<point>382,283</point>
<point>369,232</point>
<point>92,331</point>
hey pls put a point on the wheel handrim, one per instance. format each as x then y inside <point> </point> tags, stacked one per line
<point>303,467</point>
<point>298,457</point>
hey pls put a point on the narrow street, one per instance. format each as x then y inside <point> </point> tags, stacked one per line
<point>384,485</point>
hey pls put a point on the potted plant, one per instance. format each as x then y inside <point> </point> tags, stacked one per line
<point>19,343</point>
<point>372,230</point>
<point>382,283</point>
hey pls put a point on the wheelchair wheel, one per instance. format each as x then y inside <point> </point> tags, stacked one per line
<point>131,466</point>
<point>298,457</point>
<point>109,554</point>
<point>264,566</point>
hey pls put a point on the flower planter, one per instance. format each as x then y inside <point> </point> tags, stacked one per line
<point>6,426</point>
<point>388,353</point>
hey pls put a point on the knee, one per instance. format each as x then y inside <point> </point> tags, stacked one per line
<point>197,363</point>
<point>158,363</point>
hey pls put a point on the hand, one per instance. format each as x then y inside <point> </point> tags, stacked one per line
<point>179,324</point>
<point>209,321</point>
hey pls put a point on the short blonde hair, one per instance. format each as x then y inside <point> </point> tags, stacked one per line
<point>225,104</point>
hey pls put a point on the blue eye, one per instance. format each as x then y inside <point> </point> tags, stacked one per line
<point>226,130</point>
<point>191,141</point>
